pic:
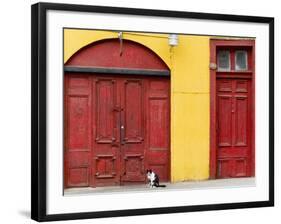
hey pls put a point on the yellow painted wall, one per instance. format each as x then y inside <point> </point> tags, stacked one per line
<point>190,94</point>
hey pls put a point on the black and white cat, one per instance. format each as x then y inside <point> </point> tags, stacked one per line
<point>153,179</point>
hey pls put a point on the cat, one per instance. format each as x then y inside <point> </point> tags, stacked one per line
<point>153,179</point>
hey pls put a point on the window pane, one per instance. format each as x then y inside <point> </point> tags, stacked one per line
<point>224,60</point>
<point>241,60</point>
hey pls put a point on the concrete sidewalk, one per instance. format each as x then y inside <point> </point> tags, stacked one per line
<point>191,185</point>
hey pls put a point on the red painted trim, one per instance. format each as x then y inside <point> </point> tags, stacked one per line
<point>214,44</point>
<point>212,112</point>
<point>232,43</point>
<point>65,135</point>
<point>253,110</point>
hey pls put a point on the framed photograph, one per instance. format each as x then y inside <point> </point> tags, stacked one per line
<point>140,111</point>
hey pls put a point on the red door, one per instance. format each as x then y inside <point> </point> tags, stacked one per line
<point>232,108</point>
<point>233,127</point>
<point>116,127</point>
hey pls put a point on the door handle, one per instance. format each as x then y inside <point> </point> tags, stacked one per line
<point>122,134</point>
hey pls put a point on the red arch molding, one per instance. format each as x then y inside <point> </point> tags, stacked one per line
<point>110,56</point>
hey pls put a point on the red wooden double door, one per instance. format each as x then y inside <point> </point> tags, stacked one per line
<point>116,127</point>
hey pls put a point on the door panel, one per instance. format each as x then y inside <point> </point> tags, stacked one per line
<point>78,117</point>
<point>225,116</point>
<point>105,102</point>
<point>78,134</point>
<point>241,120</point>
<point>158,127</point>
<point>116,127</point>
<point>133,111</point>
<point>234,127</point>
<point>106,146</point>
<point>132,139</point>
<point>158,122</point>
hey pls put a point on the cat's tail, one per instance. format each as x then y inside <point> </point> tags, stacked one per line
<point>161,185</point>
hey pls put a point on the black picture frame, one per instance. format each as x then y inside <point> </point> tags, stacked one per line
<point>39,110</point>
